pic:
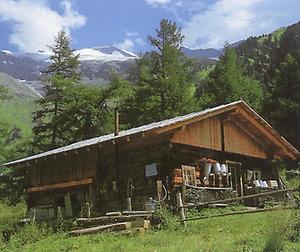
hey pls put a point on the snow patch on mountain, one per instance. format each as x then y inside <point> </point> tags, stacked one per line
<point>6,51</point>
<point>104,54</point>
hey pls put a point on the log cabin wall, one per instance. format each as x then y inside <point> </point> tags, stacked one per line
<point>205,133</point>
<point>112,192</point>
<point>226,135</point>
<point>67,168</point>
<point>239,141</point>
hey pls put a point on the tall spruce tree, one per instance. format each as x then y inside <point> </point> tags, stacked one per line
<point>89,110</point>
<point>60,75</point>
<point>285,97</point>
<point>227,82</point>
<point>164,87</point>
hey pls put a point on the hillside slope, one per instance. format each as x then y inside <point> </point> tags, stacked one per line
<point>17,110</point>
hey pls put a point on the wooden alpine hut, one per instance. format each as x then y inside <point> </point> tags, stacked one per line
<point>226,147</point>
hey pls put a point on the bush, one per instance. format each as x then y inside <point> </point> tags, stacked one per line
<point>10,215</point>
<point>163,217</point>
<point>29,233</point>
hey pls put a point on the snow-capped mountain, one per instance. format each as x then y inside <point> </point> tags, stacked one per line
<point>105,54</point>
<point>97,63</point>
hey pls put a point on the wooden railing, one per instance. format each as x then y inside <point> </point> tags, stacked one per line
<point>182,207</point>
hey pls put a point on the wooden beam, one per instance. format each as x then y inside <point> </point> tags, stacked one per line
<point>239,213</point>
<point>60,185</point>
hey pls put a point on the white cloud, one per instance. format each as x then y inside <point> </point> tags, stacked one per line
<point>131,40</point>
<point>35,24</point>
<point>158,2</point>
<point>233,20</point>
<point>127,45</point>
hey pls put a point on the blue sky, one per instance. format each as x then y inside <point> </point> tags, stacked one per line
<point>29,25</point>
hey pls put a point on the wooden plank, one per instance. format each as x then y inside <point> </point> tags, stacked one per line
<point>137,212</point>
<point>60,185</point>
<point>110,227</point>
<point>103,220</point>
<point>68,204</point>
<point>227,109</point>
<point>210,188</point>
<point>180,206</point>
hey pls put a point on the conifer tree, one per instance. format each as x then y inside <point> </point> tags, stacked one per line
<point>227,83</point>
<point>89,110</point>
<point>60,75</point>
<point>164,88</point>
<point>285,97</point>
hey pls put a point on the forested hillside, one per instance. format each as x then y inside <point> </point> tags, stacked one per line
<point>274,60</point>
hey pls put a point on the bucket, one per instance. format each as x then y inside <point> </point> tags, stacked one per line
<point>256,183</point>
<point>150,205</point>
<point>224,169</point>
<point>217,168</point>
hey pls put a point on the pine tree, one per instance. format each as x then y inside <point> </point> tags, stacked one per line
<point>285,97</point>
<point>165,88</point>
<point>89,110</point>
<point>60,75</point>
<point>227,83</point>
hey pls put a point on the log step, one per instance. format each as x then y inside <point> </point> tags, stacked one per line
<point>111,227</point>
<point>137,212</point>
<point>113,214</point>
<point>105,220</point>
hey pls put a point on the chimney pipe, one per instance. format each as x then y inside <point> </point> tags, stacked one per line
<point>116,121</point>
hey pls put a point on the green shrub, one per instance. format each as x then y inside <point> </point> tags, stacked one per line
<point>28,234</point>
<point>59,225</point>
<point>10,215</point>
<point>163,217</point>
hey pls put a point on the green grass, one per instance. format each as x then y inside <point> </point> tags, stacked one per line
<point>232,233</point>
<point>17,112</point>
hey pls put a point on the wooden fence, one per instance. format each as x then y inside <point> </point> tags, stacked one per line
<point>182,207</point>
